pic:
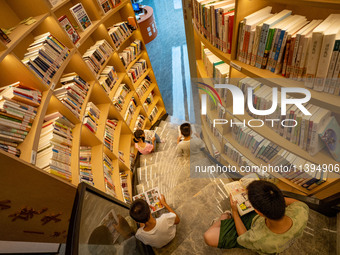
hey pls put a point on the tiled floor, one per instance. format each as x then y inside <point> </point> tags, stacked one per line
<point>169,57</point>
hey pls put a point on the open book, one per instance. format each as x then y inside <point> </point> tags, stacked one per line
<point>110,221</point>
<point>238,190</point>
<point>152,198</point>
<point>149,135</point>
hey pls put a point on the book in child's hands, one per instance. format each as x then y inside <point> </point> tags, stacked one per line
<point>330,135</point>
<point>80,16</point>
<point>69,29</point>
<point>238,191</point>
<point>149,135</point>
<point>110,221</point>
<point>152,198</point>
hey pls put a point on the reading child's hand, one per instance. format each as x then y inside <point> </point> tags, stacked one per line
<point>162,200</point>
<point>233,204</point>
<point>153,139</point>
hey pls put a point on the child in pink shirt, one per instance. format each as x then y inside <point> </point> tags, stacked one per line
<point>143,146</point>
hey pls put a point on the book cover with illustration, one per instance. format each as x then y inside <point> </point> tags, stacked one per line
<point>81,16</point>
<point>69,29</point>
<point>330,135</point>
<point>152,198</point>
<point>238,190</point>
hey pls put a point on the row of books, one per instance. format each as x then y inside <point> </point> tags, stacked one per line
<point>45,56</point>
<point>215,67</point>
<point>73,92</point>
<point>130,111</point>
<point>120,95</point>
<point>120,32</point>
<point>143,87</point>
<point>110,128</point>
<point>18,109</point>
<point>215,21</point>
<point>137,70</point>
<point>85,166</point>
<point>96,56</point>
<point>130,53</point>
<point>293,46</point>
<point>153,113</point>
<point>4,38</point>
<point>55,146</point>
<point>125,187</point>
<point>139,122</point>
<point>121,156</point>
<point>107,5</point>
<point>91,117</point>
<point>108,171</point>
<point>240,159</point>
<point>308,127</point>
<point>274,155</point>
<point>108,78</point>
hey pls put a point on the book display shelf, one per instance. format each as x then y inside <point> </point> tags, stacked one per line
<point>228,52</point>
<point>100,155</point>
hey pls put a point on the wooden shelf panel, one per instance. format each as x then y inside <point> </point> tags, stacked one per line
<point>147,93</point>
<point>88,138</point>
<point>120,48</point>
<point>116,181</point>
<point>134,117</point>
<point>126,103</point>
<point>121,76</point>
<point>56,105</point>
<point>59,5</point>
<point>161,112</point>
<point>20,32</point>
<point>153,104</point>
<point>134,61</point>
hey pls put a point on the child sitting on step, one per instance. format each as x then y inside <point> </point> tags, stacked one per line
<point>154,232</point>
<point>186,143</point>
<point>271,228</point>
<point>145,141</point>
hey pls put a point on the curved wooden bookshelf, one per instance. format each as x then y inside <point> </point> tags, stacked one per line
<point>316,10</point>
<point>12,70</point>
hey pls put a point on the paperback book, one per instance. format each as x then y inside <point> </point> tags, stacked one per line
<point>152,198</point>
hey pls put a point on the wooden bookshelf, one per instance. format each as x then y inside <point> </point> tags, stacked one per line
<point>312,9</point>
<point>25,184</point>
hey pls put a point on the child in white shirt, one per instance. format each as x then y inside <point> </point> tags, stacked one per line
<point>154,232</point>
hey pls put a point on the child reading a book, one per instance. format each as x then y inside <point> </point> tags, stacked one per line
<point>145,141</point>
<point>186,143</point>
<point>154,232</point>
<point>272,228</point>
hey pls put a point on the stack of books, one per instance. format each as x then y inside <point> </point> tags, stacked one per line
<point>18,108</point>
<point>85,167</point>
<point>55,146</point>
<point>292,46</point>
<point>108,78</point>
<point>215,21</point>
<point>130,111</point>
<point>214,66</point>
<point>153,113</point>
<point>108,171</point>
<point>137,70</point>
<point>91,117</point>
<point>96,56</point>
<point>306,131</point>
<point>45,56</point>
<point>131,52</point>
<point>119,98</point>
<point>110,128</point>
<point>125,190</point>
<point>119,32</point>
<point>143,87</point>
<point>139,122</point>
<point>73,92</point>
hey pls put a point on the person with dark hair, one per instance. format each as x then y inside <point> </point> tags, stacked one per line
<point>186,143</point>
<point>154,232</point>
<point>145,141</point>
<point>273,226</point>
